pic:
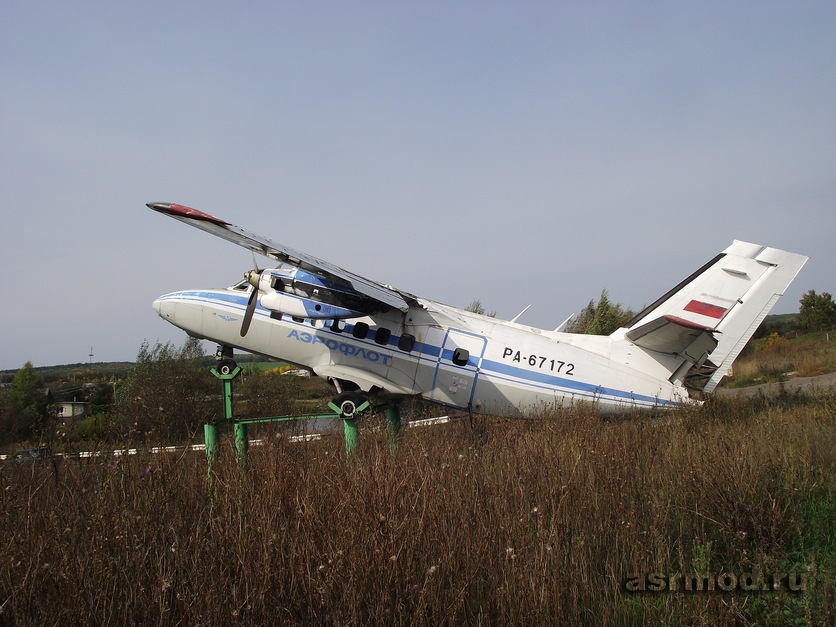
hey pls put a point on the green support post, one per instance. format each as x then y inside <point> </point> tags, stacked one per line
<point>210,439</point>
<point>227,393</point>
<point>393,425</point>
<point>350,432</point>
<point>210,430</point>
<point>349,424</point>
<point>242,444</point>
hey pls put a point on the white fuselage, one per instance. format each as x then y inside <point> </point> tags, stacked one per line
<point>440,353</point>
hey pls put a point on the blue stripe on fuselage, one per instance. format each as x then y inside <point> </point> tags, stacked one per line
<point>553,381</point>
<point>486,368</point>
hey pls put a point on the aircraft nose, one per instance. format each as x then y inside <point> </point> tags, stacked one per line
<point>164,308</point>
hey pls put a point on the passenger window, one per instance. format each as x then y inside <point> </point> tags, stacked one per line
<point>337,326</point>
<point>361,330</point>
<point>406,343</point>
<point>382,336</point>
<point>460,356</point>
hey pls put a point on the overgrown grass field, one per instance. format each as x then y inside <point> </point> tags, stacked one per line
<point>775,358</point>
<point>544,521</point>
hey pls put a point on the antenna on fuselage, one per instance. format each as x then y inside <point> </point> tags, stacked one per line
<point>563,324</point>
<point>515,318</point>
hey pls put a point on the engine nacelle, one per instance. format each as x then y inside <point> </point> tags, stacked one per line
<point>303,307</point>
<point>303,295</point>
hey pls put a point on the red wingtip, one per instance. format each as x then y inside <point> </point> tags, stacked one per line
<point>184,211</point>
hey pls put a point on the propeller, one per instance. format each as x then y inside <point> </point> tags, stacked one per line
<point>253,277</point>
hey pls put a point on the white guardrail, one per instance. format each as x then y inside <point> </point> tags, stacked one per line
<point>308,437</point>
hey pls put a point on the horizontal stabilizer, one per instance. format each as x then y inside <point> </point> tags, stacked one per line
<point>675,336</point>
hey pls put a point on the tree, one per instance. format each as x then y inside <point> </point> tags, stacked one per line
<point>24,408</point>
<point>817,312</point>
<point>477,308</point>
<point>600,319</point>
<point>167,392</point>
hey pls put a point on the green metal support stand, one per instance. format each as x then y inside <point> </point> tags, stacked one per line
<point>210,429</point>
<point>393,425</point>
<point>350,433</point>
<point>239,425</point>
<point>210,438</point>
<point>242,444</point>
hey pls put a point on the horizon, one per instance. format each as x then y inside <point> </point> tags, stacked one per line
<point>247,357</point>
<point>526,154</point>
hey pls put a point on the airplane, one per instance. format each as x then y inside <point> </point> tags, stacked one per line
<point>376,343</point>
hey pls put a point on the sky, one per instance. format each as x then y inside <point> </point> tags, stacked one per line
<point>513,152</point>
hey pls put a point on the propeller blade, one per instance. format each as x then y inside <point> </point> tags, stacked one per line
<point>248,314</point>
<point>253,277</point>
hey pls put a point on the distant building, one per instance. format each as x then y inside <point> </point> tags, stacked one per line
<point>71,409</point>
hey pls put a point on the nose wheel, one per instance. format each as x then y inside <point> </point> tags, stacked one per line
<point>226,363</point>
<point>226,366</point>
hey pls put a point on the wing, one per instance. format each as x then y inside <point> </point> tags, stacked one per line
<point>279,252</point>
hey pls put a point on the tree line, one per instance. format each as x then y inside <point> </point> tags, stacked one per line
<point>167,393</point>
<point>817,312</point>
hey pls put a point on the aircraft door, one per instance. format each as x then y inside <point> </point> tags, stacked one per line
<point>458,368</point>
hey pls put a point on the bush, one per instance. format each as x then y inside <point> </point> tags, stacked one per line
<point>168,393</point>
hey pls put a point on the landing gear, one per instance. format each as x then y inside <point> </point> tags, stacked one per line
<point>226,366</point>
<point>226,363</point>
<point>349,403</point>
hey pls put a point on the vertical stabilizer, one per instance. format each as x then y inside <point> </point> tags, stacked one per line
<point>718,308</point>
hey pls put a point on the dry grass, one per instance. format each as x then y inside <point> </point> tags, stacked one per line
<point>777,359</point>
<point>501,522</point>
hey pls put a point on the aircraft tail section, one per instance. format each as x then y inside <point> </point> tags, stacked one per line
<point>710,316</point>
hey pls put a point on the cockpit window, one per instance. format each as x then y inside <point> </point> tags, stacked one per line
<point>243,286</point>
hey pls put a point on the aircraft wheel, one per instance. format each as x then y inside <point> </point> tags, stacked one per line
<point>226,366</point>
<point>348,402</point>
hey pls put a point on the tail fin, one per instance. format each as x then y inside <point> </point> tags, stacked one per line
<point>709,317</point>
